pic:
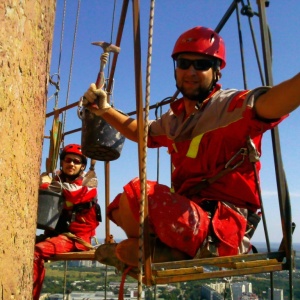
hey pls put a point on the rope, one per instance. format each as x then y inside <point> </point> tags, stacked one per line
<point>247,10</point>
<point>71,65</point>
<point>158,106</point>
<point>123,279</point>
<point>61,37</point>
<point>113,21</point>
<point>57,84</point>
<point>65,278</point>
<point>143,179</point>
<point>158,149</point>
<point>241,46</point>
<point>111,35</point>
<point>55,134</point>
<point>78,239</point>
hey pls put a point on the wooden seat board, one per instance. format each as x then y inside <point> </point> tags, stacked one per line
<point>82,255</point>
<point>219,261</point>
<point>213,274</point>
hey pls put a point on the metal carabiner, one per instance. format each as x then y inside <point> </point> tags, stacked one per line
<point>243,152</point>
<point>80,109</point>
<point>56,84</point>
<point>254,155</point>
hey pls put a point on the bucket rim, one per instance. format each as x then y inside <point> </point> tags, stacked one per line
<point>49,192</point>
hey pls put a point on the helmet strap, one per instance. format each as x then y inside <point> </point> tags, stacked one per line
<point>210,89</point>
<point>216,76</point>
<point>174,68</point>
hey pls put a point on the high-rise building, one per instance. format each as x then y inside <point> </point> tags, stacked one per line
<point>277,294</point>
<point>238,288</point>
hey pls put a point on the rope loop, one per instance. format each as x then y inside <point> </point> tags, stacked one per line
<point>247,11</point>
<point>55,83</point>
<point>57,88</point>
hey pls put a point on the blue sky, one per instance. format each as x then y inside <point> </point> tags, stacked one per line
<point>170,20</point>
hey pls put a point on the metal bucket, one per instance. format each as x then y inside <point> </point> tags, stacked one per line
<point>99,140</point>
<point>50,206</point>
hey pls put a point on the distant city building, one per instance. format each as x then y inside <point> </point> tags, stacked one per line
<point>100,295</point>
<point>84,263</point>
<point>249,296</point>
<point>238,288</point>
<point>218,286</point>
<point>277,294</point>
<point>127,285</point>
<point>134,294</point>
<point>209,293</point>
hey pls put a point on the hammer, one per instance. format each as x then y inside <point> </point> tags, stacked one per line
<point>107,47</point>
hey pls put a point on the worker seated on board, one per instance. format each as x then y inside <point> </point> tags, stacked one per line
<point>211,135</point>
<point>80,215</point>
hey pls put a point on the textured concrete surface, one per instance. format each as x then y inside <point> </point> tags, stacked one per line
<point>26,34</point>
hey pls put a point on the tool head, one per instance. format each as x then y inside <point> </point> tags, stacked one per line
<point>107,47</point>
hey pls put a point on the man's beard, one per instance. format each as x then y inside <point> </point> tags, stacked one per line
<point>198,95</point>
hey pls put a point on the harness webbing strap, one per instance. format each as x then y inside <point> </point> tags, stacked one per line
<point>207,182</point>
<point>227,169</point>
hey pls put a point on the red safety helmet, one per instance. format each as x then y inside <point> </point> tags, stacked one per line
<point>74,149</point>
<point>201,40</point>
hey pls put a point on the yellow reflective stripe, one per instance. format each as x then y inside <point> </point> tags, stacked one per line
<point>69,204</point>
<point>194,146</point>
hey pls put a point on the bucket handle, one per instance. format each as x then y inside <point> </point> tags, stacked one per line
<point>80,109</point>
<point>56,186</point>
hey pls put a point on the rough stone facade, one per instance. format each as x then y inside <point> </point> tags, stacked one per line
<point>26,34</point>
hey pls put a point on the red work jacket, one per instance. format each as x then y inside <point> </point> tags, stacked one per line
<point>202,144</point>
<point>84,223</point>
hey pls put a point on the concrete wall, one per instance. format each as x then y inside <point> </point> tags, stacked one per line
<point>26,33</point>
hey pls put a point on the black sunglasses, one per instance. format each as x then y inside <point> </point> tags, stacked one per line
<point>76,161</point>
<point>198,64</point>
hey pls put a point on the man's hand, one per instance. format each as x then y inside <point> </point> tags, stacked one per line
<point>90,97</point>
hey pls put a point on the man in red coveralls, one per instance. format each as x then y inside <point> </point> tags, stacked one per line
<point>207,132</point>
<point>80,215</point>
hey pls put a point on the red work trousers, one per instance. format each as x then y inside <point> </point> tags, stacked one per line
<point>44,250</point>
<point>181,223</point>
<point>176,220</point>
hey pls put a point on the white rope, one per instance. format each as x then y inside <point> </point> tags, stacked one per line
<point>143,179</point>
